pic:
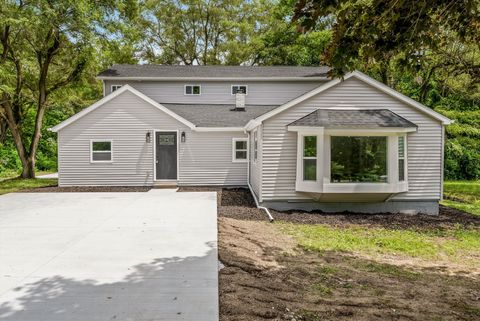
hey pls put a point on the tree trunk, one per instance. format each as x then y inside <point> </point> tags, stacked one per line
<point>28,163</point>
<point>28,168</point>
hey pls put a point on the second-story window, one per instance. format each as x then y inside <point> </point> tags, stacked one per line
<point>192,90</point>
<point>239,89</point>
<point>116,87</point>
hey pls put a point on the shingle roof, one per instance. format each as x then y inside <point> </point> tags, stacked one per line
<point>334,118</point>
<point>209,115</point>
<point>177,71</point>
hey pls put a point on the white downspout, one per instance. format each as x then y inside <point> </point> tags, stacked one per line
<point>270,217</point>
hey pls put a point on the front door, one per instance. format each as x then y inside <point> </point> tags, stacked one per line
<point>166,151</point>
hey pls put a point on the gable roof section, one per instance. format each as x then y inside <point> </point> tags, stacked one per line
<point>116,93</point>
<point>166,72</point>
<point>361,76</point>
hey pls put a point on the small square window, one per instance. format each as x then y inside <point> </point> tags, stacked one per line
<point>242,89</point>
<point>192,90</point>
<point>240,150</point>
<point>101,151</point>
<point>116,87</point>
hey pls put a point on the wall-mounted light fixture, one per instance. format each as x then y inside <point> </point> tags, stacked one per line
<point>182,137</point>
<point>148,137</point>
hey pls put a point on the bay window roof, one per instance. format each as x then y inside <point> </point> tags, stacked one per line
<point>352,119</point>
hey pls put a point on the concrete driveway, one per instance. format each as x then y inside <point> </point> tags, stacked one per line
<point>108,256</point>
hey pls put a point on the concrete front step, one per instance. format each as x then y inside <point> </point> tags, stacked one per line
<point>165,184</point>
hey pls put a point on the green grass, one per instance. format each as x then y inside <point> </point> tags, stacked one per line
<point>462,195</point>
<point>17,184</point>
<point>453,245</point>
<point>13,174</point>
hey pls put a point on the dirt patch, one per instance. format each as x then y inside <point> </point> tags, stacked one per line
<point>260,281</point>
<point>87,189</point>
<point>258,242</point>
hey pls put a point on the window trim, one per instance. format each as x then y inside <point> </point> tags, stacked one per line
<point>192,85</point>
<point>101,141</point>
<point>115,85</point>
<point>309,157</point>
<point>234,150</point>
<point>231,89</point>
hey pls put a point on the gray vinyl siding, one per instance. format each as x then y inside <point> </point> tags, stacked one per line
<point>204,159</point>
<point>424,147</point>
<point>219,92</point>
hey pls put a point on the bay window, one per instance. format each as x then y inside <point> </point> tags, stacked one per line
<point>351,155</point>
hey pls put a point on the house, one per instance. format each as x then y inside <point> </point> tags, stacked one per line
<point>295,137</point>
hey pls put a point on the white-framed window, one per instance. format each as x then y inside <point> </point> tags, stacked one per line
<point>358,159</point>
<point>309,158</point>
<point>193,90</point>
<point>401,158</point>
<point>239,89</point>
<point>116,87</point>
<point>239,150</point>
<point>255,145</point>
<point>101,151</point>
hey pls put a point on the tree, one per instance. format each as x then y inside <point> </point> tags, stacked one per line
<point>375,31</point>
<point>281,43</point>
<point>46,46</point>
<point>202,32</point>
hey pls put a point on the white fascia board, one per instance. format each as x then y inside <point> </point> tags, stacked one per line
<point>370,131</point>
<point>113,95</point>
<point>245,79</point>
<point>366,79</point>
<point>252,124</point>
<point>218,129</point>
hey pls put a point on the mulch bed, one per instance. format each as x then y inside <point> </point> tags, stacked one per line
<point>238,203</point>
<point>87,189</point>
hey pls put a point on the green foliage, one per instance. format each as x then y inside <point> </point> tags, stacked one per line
<point>202,32</point>
<point>282,44</point>
<point>374,31</point>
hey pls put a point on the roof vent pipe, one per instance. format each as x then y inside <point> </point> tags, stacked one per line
<point>240,101</point>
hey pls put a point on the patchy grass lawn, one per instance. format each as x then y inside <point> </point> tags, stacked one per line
<point>18,184</point>
<point>463,195</point>
<point>263,280</point>
<point>455,245</point>
<point>13,174</point>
